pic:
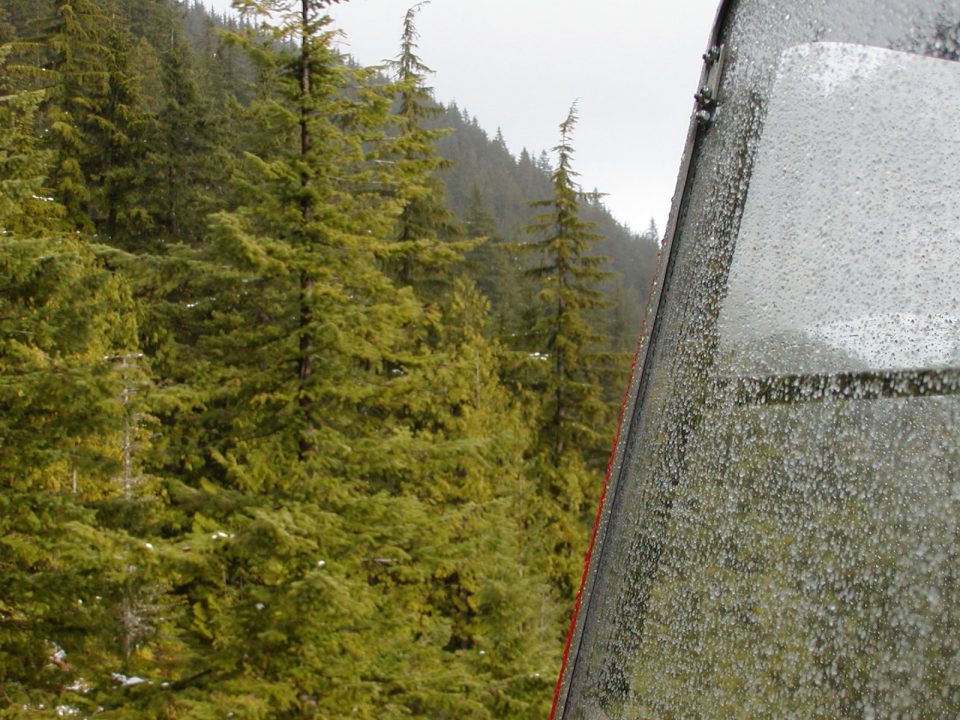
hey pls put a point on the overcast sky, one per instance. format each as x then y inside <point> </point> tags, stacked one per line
<point>633,66</point>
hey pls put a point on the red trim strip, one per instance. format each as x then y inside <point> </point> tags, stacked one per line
<point>603,496</point>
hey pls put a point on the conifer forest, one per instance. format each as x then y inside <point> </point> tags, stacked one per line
<point>307,384</point>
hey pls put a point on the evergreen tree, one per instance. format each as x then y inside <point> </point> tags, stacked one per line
<point>496,269</point>
<point>272,455</point>
<point>498,596</point>
<point>313,208</point>
<point>25,207</point>
<point>570,446</point>
<point>115,142</point>
<point>569,279</point>
<point>295,349</point>
<point>95,119</point>
<point>70,580</point>
<point>426,231</point>
<point>75,41</point>
<point>506,186</point>
<point>185,166</point>
<point>481,650</point>
<point>7,31</point>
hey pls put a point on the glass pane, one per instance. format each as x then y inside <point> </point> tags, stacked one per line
<point>800,577</point>
<point>847,255</point>
<point>770,551</point>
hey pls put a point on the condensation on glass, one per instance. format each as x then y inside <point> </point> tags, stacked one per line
<point>783,538</point>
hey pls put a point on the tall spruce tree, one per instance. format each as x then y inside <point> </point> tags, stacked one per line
<point>569,277</point>
<point>570,441</point>
<point>296,355</point>
<point>115,141</point>
<point>452,453</point>
<point>428,237</point>
<point>95,119</point>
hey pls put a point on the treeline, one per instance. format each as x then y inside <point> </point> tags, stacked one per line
<point>286,430</point>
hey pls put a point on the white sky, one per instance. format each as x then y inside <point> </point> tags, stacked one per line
<point>633,65</point>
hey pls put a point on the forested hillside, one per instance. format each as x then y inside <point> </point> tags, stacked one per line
<point>306,385</point>
<point>485,179</point>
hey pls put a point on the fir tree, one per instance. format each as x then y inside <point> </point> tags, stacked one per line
<point>266,459</point>
<point>95,119</point>
<point>569,277</point>
<point>426,232</point>
<point>296,349</point>
<point>25,205</point>
<point>115,142</point>
<point>570,444</point>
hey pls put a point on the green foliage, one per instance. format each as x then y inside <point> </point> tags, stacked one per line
<point>25,207</point>
<point>71,582</point>
<point>568,279</point>
<point>567,374</point>
<point>271,436</point>
<point>483,169</point>
<point>74,39</point>
<point>498,271</point>
<point>184,166</point>
<point>428,237</point>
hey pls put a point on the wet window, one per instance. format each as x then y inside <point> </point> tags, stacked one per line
<point>847,254</point>
<point>784,535</point>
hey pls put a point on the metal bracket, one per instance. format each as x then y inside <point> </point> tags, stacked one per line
<point>708,95</point>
